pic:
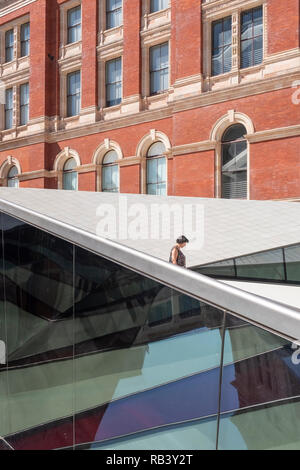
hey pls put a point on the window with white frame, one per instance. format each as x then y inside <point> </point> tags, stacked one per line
<point>156,170</point>
<point>113,81</point>
<point>221,46</point>
<point>157,5</point>
<point>73,93</point>
<point>9,108</point>
<point>159,68</point>
<point>252,37</point>
<point>12,177</point>
<point>110,172</point>
<point>9,45</point>
<point>114,14</point>
<point>25,39</point>
<point>74,24</point>
<point>24,104</point>
<point>70,176</point>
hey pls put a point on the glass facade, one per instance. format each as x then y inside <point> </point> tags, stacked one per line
<point>101,357</point>
<point>280,265</point>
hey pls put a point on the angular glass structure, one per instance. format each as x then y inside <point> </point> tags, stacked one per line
<point>280,265</point>
<point>102,356</point>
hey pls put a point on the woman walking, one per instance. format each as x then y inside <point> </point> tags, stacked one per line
<point>176,255</point>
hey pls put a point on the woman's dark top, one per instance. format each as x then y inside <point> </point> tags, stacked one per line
<point>180,258</point>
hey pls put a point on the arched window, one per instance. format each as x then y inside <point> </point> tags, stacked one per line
<point>234,163</point>
<point>157,170</point>
<point>70,177</point>
<point>110,172</point>
<point>12,177</point>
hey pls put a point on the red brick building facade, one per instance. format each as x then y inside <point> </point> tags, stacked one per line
<point>189,116</point>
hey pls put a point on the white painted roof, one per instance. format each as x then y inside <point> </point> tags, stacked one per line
<point>229,228</point>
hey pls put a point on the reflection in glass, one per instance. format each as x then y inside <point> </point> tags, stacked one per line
<point>260,387</point>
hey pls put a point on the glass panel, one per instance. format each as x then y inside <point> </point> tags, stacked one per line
<point>227,59</point>
<point>9,45</point>
<point>8,108</point>
<point>24,104</point>
<point>113,13</point>
<point>260,391</point>
<point>113,82</point>
<point>38,272</point>
<point>217,34</point>
<point>156,149</point>
<point>74,94</point>
<point>157,5</point>
<point>247,53</point>
<point>25,39</point>
<point>217,62</point>
<point>234,185</point>
<point>110,157</point>
<point>70,181</point>
<point>292,259</point>
<point>152,176</point>
<point>267,265</point>
<point>258,50</point>
<point>74,25</point>
<point>140,365</point>
<point>227,31</point>
<point>247,25</point>
<point>235,132</point>
<point>222,268</point>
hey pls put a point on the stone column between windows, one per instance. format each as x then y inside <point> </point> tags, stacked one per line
<point>235,42</point>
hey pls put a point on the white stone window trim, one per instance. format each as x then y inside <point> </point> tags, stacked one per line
<point>108,35</point>
<point>106,146</point>
<point>221,11</point>
<point>147,42</point>
<point>64,9</point>
<point>156,18</point>
<point>15,25</point>
<point>60,161</point>
<point>231,118</point>
<point>16,87</point>
<point>142,150</point>
<point>65,70</point>
<point>6,167</point>
<point>105,55</point>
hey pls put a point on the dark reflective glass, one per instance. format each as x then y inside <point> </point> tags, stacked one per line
<point>292,260</point>
<point>222,268</point>
<point>38,273</point>
<point>266,265</point>
<point>260,403</point>
<point>138,343</point>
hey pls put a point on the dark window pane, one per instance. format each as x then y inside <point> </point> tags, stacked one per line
<point>222,268</point>
<point>267,265</point>
<point>292,259</point>
<point>38,270</point>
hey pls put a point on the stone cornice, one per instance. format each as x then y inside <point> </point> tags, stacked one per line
<point>16,5</point>
<point>201,100</point>
<point>272,134</point>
